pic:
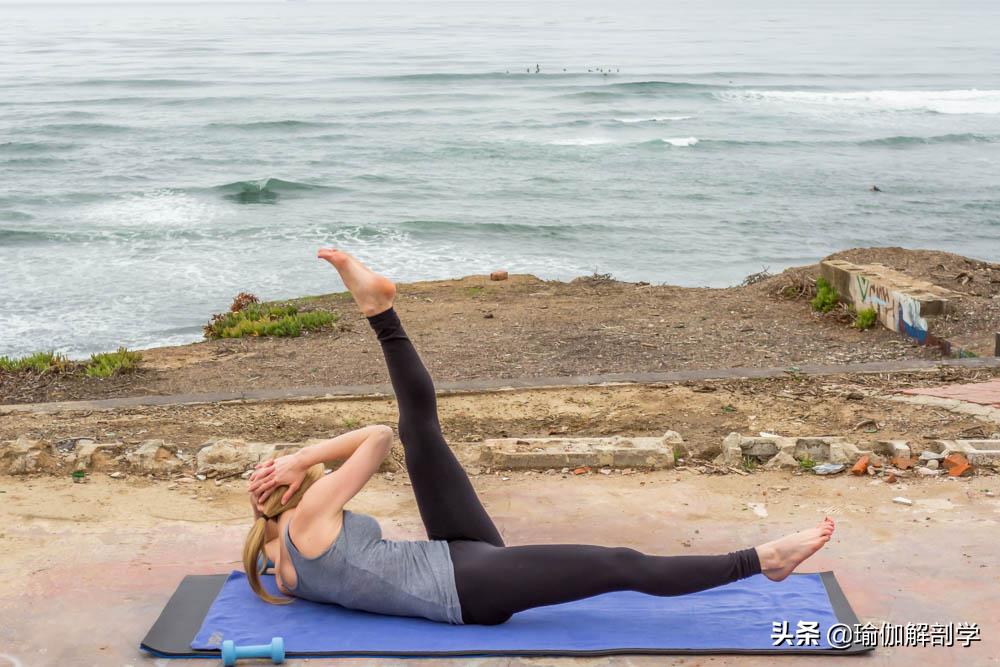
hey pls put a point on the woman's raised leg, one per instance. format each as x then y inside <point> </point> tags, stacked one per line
<point>445,497</point>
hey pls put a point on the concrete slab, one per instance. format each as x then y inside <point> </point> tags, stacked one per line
<point>547,453</point>
<point>981,393</point>
<point>903,303</point>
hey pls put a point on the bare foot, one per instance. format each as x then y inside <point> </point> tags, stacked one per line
<point>779,558</point>
<point>373,293</point>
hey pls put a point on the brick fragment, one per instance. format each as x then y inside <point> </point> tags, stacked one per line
<point>957,465</point>
<point>902,462</point>
<point>860,467</point>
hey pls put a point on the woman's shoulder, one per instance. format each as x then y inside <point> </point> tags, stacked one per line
<point>312,536</point>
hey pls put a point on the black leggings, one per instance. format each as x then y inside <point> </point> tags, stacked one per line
<point>495,581</point>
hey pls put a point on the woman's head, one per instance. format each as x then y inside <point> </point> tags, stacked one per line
<point>253,547</point>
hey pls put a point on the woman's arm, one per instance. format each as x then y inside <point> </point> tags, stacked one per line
<point>290,469</point>
<point>328,496</point>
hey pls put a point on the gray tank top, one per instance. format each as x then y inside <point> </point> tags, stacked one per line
<point>360,570</point>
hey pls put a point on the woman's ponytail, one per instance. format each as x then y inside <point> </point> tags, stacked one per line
<point>254,556</point>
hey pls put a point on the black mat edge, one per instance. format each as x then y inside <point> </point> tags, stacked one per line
<point>173,631</point>
<point>845,613</point>
<point>181,618</point>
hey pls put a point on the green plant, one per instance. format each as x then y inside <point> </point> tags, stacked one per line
<point>966,354</point>
<point>749,463</point>
<point>826,296</point>
<point>865,318</point>
<point>257,319</point>
<point>40,362</point>
<point>473,291</point>
<point>106,364</point>
<point>807,463</point>
<point>351,422</point>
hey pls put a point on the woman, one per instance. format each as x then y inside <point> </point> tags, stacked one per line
<point>463,573</point>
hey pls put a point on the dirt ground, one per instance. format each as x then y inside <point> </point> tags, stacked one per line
<point>89,566</point>
<point>525,327</point>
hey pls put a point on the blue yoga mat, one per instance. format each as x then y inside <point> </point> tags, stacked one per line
<point>732,618</point>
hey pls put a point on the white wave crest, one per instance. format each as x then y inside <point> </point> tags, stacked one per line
<point>659,119</point>
<point>938,101</point>
<point>681,141</point>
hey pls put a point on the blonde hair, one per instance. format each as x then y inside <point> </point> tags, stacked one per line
<point>254,557</point>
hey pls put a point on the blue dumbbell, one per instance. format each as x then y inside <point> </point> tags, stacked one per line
<point>275,651</point>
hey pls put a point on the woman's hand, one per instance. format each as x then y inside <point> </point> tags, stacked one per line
<point>270,474</point>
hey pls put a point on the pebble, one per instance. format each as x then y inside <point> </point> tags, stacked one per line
<point>201,478</point>
<point>605,471</point>
<point>116,475</point>
<point>927,472</point>
<point>218,482</point>
<point>900,500</point>
<point>933,464</point>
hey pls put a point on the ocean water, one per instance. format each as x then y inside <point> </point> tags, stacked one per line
<point>157,159</point>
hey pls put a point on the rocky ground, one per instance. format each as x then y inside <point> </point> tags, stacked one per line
<point>166,440</point>
<point>525,327</point>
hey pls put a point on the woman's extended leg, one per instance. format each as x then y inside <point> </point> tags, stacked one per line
<point>495,582</point>
<point>448,504</point>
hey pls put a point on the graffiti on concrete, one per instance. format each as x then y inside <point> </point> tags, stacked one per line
<point>896,310</point>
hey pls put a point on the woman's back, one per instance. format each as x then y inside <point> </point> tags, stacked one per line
<point>360,570</point>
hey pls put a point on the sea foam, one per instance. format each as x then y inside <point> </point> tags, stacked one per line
<point>937,101</point>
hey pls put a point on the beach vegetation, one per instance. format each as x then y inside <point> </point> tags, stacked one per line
<point>474,291</point>
<point>266,319</point>
<point>108,364</point>
<point>39,362</point>
<point>242,300</point>
<point>865,318</point>
<point>749,463</point>
<point>826,298</point>
<point>807,463</point>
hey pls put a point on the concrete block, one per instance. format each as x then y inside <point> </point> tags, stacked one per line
<point>977,452</point>
<point>562,452</point>
<point>893,449</point>
<point>782,461</point>
<point>841,451</point>
<point>732,452</point>
<point>903,303</point>
<point>763,447</point>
